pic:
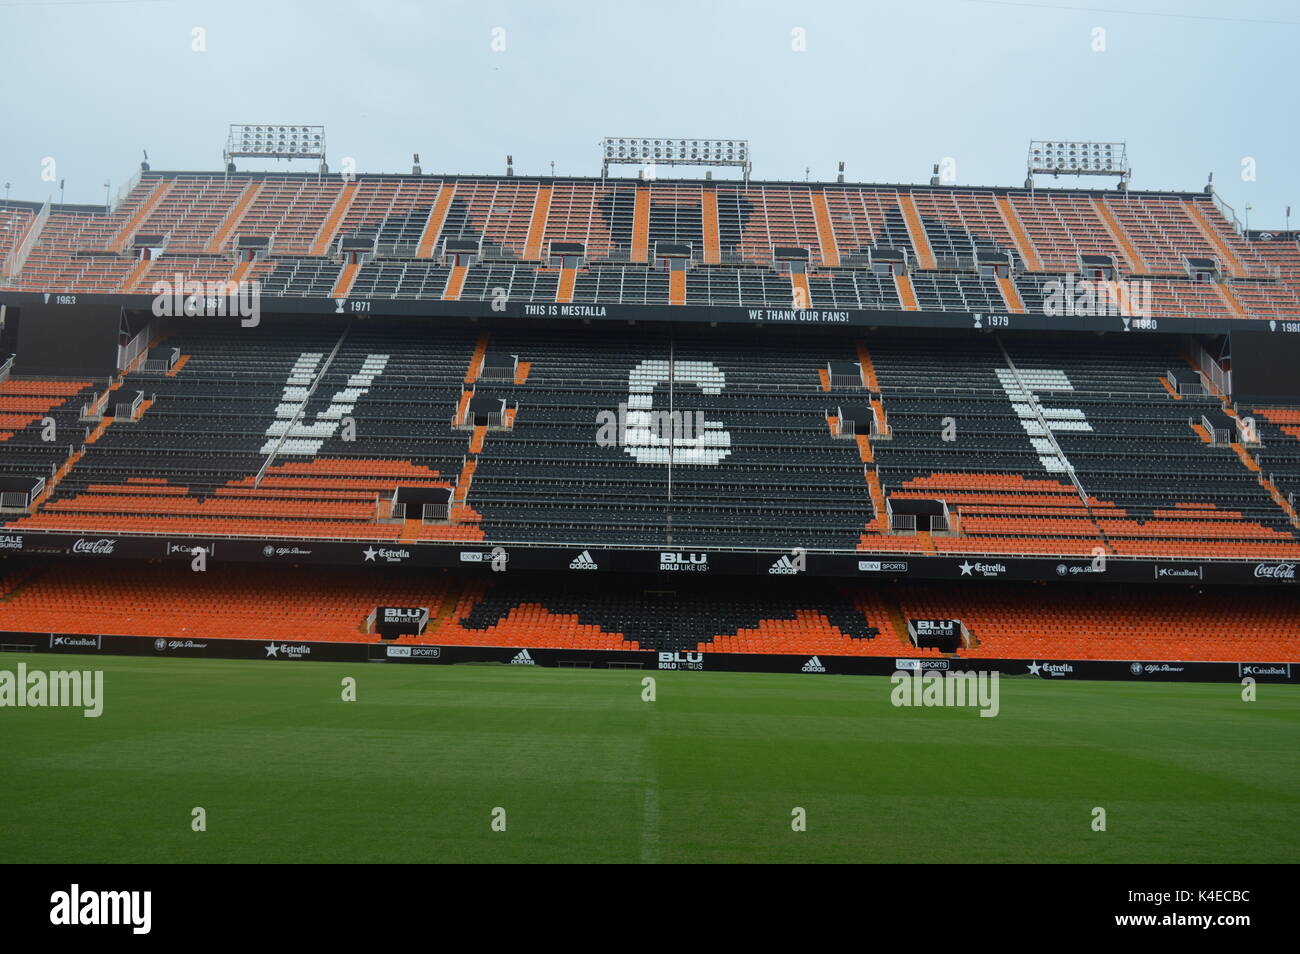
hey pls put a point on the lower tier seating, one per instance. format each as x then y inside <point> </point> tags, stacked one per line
<point>1047,621</point>
<point>1037,621</point>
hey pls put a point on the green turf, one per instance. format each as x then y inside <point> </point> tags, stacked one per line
<point>587,771</point>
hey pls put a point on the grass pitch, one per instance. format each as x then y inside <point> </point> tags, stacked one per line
<point>587,771</point>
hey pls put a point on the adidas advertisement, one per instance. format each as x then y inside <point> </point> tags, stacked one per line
<point>813,665</point>
<point>785,566</point>
<point>522,658</point>
<point>583,561</point>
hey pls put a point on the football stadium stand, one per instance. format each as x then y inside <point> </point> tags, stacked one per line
<point>935,248</point>
<point>242,602</point>
<point>896,397</point>
<point>1023,446</point>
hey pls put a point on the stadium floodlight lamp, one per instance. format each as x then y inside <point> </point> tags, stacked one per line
<point>630,150</point>
<point>1059,157</point>
<point>261,141</point>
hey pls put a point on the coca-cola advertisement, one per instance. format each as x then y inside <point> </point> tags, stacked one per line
<point>101,547</point>
<point>1275,571</point>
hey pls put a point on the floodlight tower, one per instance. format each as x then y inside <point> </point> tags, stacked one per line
<point>641,151</point>
<point>275,142</point>
<point>1058,157</point>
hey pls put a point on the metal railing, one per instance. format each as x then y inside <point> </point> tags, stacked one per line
<point>161,365</point>
<point>123,192</point>
<point>126,354</point>
<point>902,523</point>
<point>17,500</point>
<point>18,256</point>
<point>436,513</point>
<point>1185,389</point>
<point>96,406</point>
<point>1218,435</point>
<point>1226,211</point>
<point>1211,369</point>
<point>908,524</point>
<point>128,410</point>
<point>848,428</point>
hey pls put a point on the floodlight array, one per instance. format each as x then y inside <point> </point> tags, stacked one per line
<point>1061,157</point>
<point>690,152</point>
<point>276,141</point>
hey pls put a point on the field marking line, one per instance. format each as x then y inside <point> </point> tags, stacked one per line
<point>650,824</point>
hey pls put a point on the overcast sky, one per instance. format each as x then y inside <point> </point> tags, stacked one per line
<point>890,88</point>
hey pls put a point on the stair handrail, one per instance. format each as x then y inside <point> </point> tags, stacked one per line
<point>17,257</point>
<point>123,192</point>
<point>1226,211</point>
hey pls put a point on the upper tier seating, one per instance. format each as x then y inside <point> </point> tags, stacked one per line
<point>397,229</point>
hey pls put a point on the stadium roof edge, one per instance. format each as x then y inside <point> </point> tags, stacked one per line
<point>454,177</point>
<point>36,206</point>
